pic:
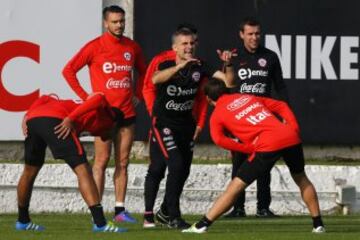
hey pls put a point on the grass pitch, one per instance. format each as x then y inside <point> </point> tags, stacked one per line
<point>76,226</point>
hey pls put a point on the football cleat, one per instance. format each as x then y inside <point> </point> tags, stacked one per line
<point>28,226</point>
<point>236,213</point>
<point>265,213</point>
<point>178,223</point>
<point>109,227</point>
<point>319,229</point>
<point>194,229</point>
<point>162,218</point>
<point>124,216</point>
<point>149,221</point>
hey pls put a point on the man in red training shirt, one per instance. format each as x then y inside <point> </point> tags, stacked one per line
<point>265,138</point>
<point>111,59</point>
<point>57,124</point>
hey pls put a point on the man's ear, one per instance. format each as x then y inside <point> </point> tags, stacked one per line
<point>241,34</point>
<point>211,102</point>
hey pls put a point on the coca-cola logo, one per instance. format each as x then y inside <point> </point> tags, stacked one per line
<point>183,106</point>
<point>115,83</point>
<point>253,88</point>
<point>238,103</point>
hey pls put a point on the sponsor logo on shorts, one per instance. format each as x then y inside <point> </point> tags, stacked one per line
<point>238,103</point>
<point>116,83</point>
<point>166,131</point>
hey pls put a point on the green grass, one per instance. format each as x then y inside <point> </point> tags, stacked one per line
<point>70,226</point>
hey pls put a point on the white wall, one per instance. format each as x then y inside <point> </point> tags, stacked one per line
<point>56,189</point>
<point>59,28</point>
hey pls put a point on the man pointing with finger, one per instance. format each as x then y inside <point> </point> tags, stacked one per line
<point>178,86</point>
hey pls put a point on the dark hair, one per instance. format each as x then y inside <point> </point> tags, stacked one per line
<point>181,31</point>
<point>251,21</point>
<point>215,89</point>
<point>188,26</point>
<point>112,9</point>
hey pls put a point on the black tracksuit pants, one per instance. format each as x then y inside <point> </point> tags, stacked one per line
<point>263,184</point>
<point>170,147</point>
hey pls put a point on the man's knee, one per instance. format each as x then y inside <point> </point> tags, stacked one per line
<point>300,179</point>
<point>123,165</point>
<point>156,172</point>
<point>30,172</point>
<point>82,169</point>
<point>101,161</point>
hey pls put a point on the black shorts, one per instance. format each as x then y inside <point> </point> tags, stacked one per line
<point>41,134</point>
<point>264,161</point>
<point>126,122</point>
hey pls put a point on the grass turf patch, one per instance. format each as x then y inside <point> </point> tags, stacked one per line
<point>78,226</point>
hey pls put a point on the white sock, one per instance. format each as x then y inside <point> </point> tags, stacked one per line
<point>119,204</point>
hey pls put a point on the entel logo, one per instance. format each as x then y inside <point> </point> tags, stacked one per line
<point>109,67</point>
<point>248,73</point>
<point>178,91</point>
<point>10,50</point>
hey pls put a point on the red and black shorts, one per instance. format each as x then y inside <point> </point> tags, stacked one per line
<point>41,134</point>
<point>264,161</point>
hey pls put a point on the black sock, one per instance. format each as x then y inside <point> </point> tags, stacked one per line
<point>204,222</point>
<point>317,221</point>
<point>119,210</point>
<point>98,215</point>
<point>23,214</point>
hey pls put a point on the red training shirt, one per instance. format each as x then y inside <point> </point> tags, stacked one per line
<point>94,115</point>
<point>110,61</point>
<point>251,119</point>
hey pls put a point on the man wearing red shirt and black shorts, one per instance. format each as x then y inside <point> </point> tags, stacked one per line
<point>111,59</point>
<point>57,124</point>
<point>265,138</point>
